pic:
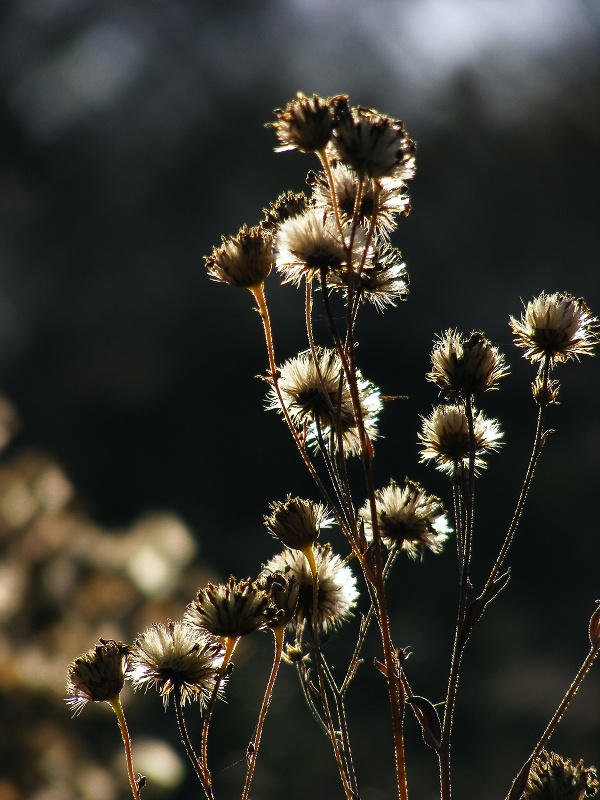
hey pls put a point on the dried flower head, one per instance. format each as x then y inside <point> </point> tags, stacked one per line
<point>311,242</point>
<point>466,366</point>
<point>554,778</point>
<point>545,393</point>
<point>407,518</point>
<point>337,592</point>
<point>231,609</point>
<point>555,326</point>
<point>388,202</point>
<point>244,260</point>
<point>97,675</point>
<point>287,206</point>
<point>382,283</point>
<point>284,591</point>
<point>305,124</point>
<point>177,657</point>
<point>317,398</point>
<point>296,522</point>
<point>445,437</point>
<point>374,145</point>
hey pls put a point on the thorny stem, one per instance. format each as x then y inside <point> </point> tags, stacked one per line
<point>521,778</point>
<point>230,645</point>
<point>278,634</point>
<point>116,706</point>
<point>538,444</point>
<point>189,749</point>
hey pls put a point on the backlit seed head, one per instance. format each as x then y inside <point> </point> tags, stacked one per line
<point>545,394</point>
<point>232,609</point>
<point>387,204</point>
<point>337,592</point>
<point>177,657</point>
<point>305,124</point>
<point>296,522</point>
<point>244,260</point>
<point>555,326</point>
<point>466,366</point>
<point>284,591</point>
<point>318,400</point>
<point>287,206</point>
<point>445,438</point>
<point>407,518</point>
<point>383,282</point>
<point>374,145</point>
<point>97,675</point>
<point>554,778</point>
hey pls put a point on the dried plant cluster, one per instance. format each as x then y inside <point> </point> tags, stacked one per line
<point>337,240</point>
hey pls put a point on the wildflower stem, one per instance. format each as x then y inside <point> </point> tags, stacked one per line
<point>538,443</point>
<point>333,737</point>
<point>230,643</point>
<point>278,634</point>
<point>323,157</point>
<point>116,706</point>
<point>521,779</point>
<point>259,295</point>
<point>185,739</point>
<point>465,500</point>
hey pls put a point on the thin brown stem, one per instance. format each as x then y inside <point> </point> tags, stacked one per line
<point>278,635</point>
<point>189,749</point>
<point>116,706</point>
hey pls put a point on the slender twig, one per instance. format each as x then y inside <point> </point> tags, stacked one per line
<point>278,635</point>
<point>189,749</point>
<point>116,706</point>
<point>521,778</point>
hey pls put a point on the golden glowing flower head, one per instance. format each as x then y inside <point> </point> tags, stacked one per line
<point>554,778</point>
<point>232,609</point>
<point>445,437</point>
<point>305,124</point>
<point>407,518</point>
<point>317,398</point>
<point>296,522</point>
<point>466,366</point>
<point>381,283</point>
<point>244,260</point>
<point>374,145</point>
<point>337,592</point>
<point>555,326</point>
<point>177,657</point>
<point>98,675</point>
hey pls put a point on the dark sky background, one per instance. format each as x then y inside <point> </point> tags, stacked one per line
<point>132,137</point>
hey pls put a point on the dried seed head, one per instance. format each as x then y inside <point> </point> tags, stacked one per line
<point>374,145</point>
<point>382,283</point>
<point>554,778</point>
<point>466,366</point>
<point>317,398</point>
<point>555,326</point>
<point>284,591</point>
<point>305,124</point>
<point>337,593</point>
<point>177,657</point>
<point>97,675</point>
<point>296,522</point>
<point>407,518</point>
<point>387,204</point>
<point>233,609</point>
<point>244,260</point>
<point>545,394</point>
<point>287,206</point>
<point>445,438</point>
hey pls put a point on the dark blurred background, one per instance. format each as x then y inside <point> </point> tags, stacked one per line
<point>132,137</point>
